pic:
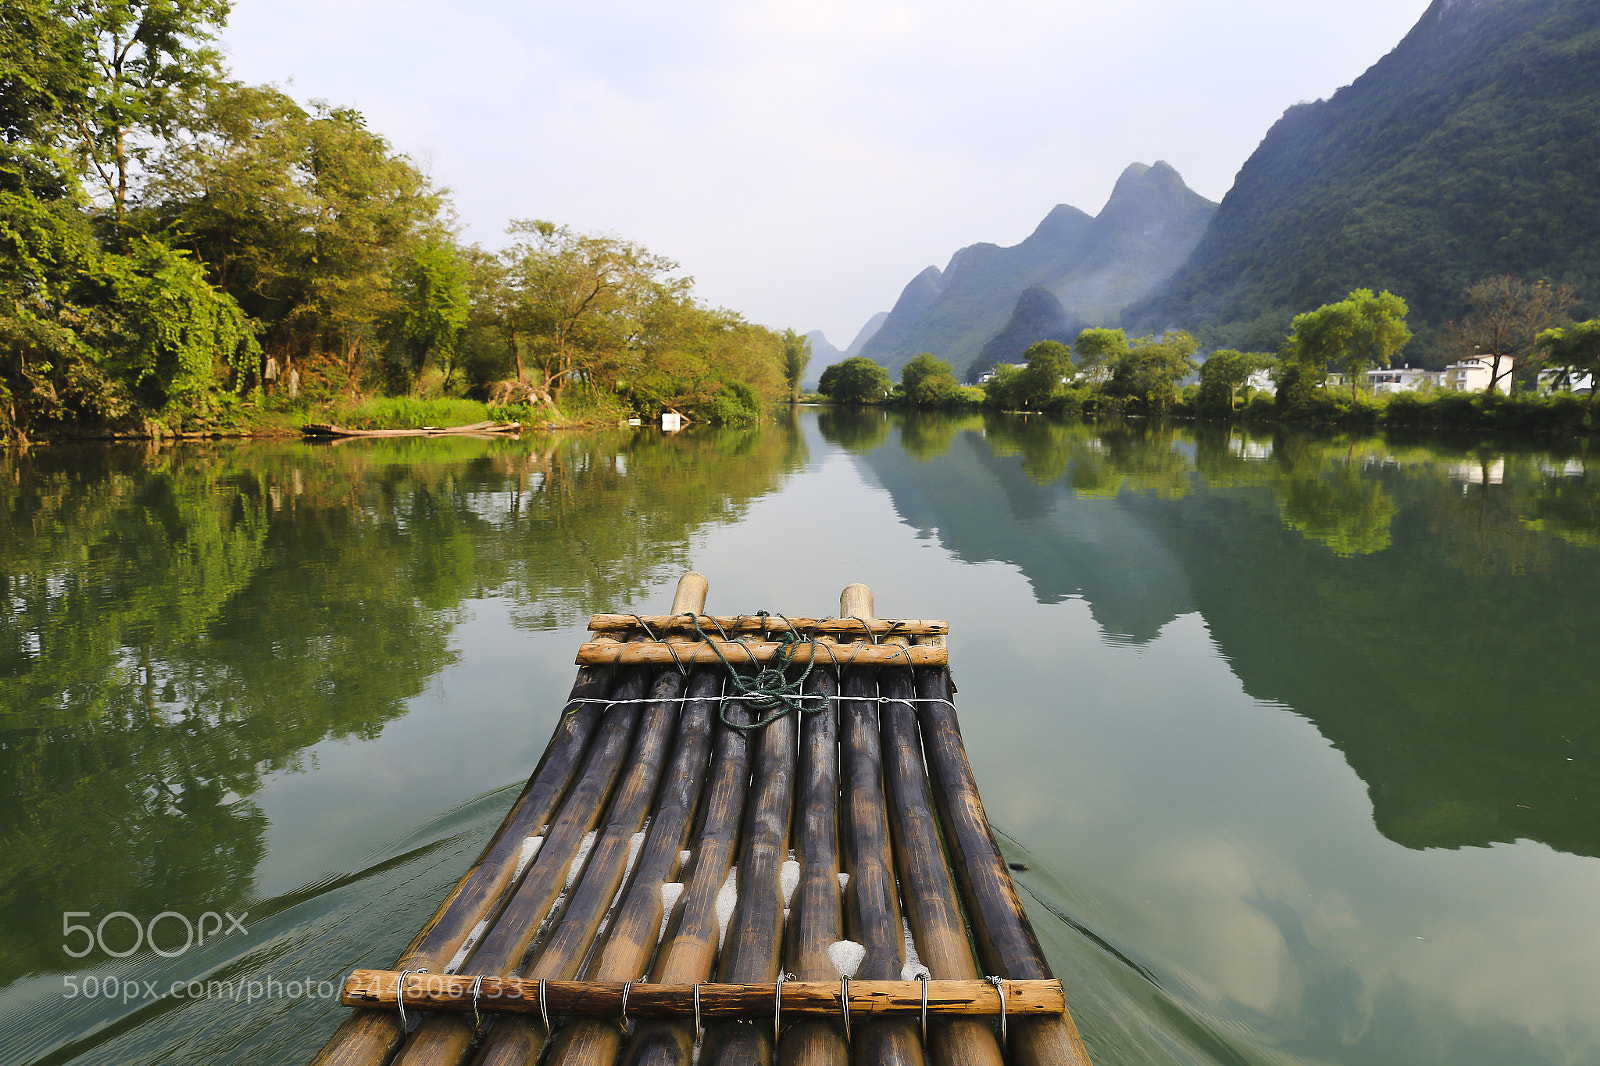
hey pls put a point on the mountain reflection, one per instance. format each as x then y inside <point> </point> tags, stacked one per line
<point>1426,605</point>
<point>181,623</point>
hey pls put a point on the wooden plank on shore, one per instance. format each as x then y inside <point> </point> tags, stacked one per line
<point>652,653</point>
<point>772,623</point>
<point>603,999</point>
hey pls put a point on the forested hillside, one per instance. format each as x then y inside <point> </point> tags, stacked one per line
<point>1470,151</point>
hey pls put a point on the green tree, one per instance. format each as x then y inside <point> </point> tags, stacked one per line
<point>857,380</point>
<point>1224,373</point>
<point>146,61</point>
<point>1049,364</point>
<point>581,300</point>
<point>796,356</point>
<point>927,381</point>
<point>1574,349</point>
<point>1149,371</point>
<point>1359,331</point>
<point>1099,350</point>
<point>1507,315</point>
<point>310,220</point>
<point>432,290</point>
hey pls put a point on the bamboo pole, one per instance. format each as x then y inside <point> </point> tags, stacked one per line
<point>563,949</point>
<point>815,917</point>
<point>754,1000</point>
<point>754,942</point>
<point>631,936</point>
<point>691,940</point>
<point>872,899</point>
<point>926,884</point>
<point>441,1041</point>
<point>368,1039</point>
<point>1000,926</point>
<point>647,653</point>
<point>772,623</point>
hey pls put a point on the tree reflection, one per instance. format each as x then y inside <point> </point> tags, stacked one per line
<point>182,623</point>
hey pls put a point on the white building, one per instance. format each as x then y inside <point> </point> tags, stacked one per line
<point>1553,378</point>
<point>1472,374</point>
<point>1399,379</point>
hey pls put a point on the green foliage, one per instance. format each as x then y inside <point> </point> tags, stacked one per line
<point>796,357</point>
<point>1147,374</point>
<point>1223,374</point>
<point>1359,331</point>
<point>735,404</point>
<point>927,381</point>
<point>166,334</point>
<point>407,412</point>
<point>1574,349</point>
<point>857,380</point>
<point>432,290</point>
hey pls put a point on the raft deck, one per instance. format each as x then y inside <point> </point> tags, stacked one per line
<point>696,872</point>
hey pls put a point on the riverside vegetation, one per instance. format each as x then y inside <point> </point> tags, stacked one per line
<point>1517,329</point>
<point>181,252</point>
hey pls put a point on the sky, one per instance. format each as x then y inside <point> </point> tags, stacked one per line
<point>804,159</point>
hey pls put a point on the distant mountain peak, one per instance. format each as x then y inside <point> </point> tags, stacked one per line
<point>1093,265</point>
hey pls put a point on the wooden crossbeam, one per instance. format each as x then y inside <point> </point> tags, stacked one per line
<point>455,992</point>
<point>749,623</point>
<point>653,653</point>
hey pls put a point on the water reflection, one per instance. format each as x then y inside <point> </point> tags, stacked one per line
<point>183,622</point>
<point>1425,606</point>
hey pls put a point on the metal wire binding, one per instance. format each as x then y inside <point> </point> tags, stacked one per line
<point>924,1008</point>
<point>544,1014</point>
<point>844,1005</point>
<point>625,986</point>
<point>1000,988</point>
<point>697,1012</point>
<point>477,988</point>
<point>777,1005</point>
<point>400,993</point>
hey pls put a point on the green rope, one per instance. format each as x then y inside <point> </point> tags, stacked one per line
<point>768,691</point>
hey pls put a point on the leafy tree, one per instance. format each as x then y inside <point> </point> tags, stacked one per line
<point>1049,364</point>
<point>1000,391</point>
<point>1355,333</point>
<point>42,75</point>
<point>1575,349</point>
<point>796,356</point>
<point>857,380</point>
<point>1099,350</point>
<point>1150,370</point>
<point>1224,372</point>
<point>146,61</point>
<point>1507,314</point>
<point>927,381</point>
<point>581,300</point>
<point>432,290</point>
<point>309,220</point>
<point>164,331</point>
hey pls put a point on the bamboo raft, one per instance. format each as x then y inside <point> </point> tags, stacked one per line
<point>691,875</point>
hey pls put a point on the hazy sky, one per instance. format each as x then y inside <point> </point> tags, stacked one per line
<point>803,159</point>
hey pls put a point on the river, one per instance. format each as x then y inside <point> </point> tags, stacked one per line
<point>1294,734</point>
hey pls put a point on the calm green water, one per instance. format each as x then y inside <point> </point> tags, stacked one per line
<point>1297,735</point>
